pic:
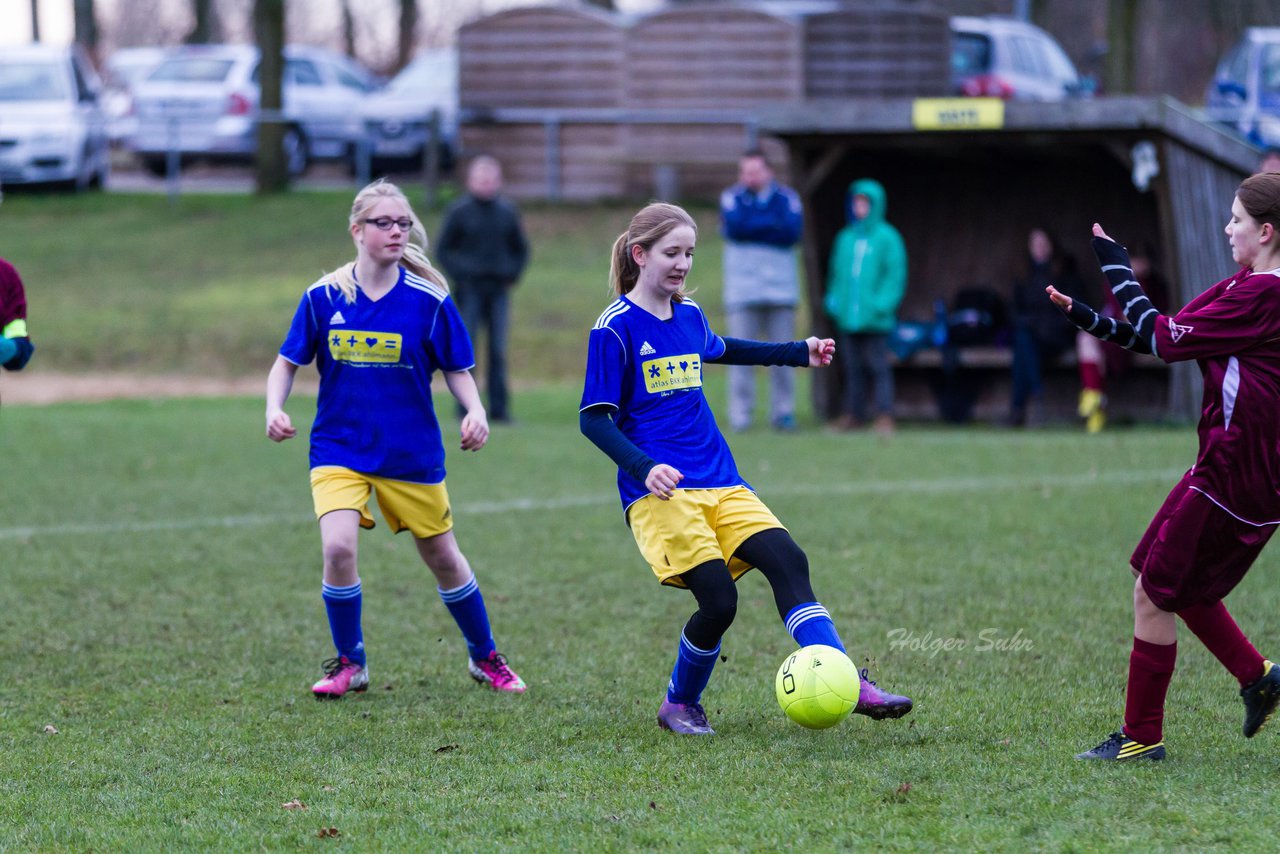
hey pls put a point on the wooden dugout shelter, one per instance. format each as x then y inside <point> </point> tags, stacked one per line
<point>584,104</point>
<point>964,190</point>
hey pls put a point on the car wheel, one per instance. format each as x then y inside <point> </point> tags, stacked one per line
<point>157,166</point>
<point>98,180</point>
<point>295,151</point>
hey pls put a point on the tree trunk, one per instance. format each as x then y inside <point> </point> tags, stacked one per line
<point>348,29</point>
<point>1121,33</point>
<point>272,171</point>
<point>408,32</point>
<point>35,20</point>
<point>202,32</point>
<point>86,24</point>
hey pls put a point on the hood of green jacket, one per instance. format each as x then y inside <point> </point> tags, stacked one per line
<point>875,195</point>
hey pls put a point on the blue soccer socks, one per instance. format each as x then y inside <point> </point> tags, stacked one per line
<point>810,623</point>
<point>467,607</point>
<point>343,607</point>
<point>691,673</point>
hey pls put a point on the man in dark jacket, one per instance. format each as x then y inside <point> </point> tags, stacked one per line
<point>482,248</point>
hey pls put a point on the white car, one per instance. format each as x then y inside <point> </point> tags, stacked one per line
<point>52,129</point>
<point>120,73</point>
<point>1003,57</point>
<point>201,101</point>
<point>397,119</point>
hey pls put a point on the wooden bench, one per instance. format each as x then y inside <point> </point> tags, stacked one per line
<point>979,384</point>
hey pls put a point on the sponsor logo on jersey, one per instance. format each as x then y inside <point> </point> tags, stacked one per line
<point>365,347</point>
<point>1176,332</point>
<point>672,374</point>
<point>337,318</point>
<point>646,349</point>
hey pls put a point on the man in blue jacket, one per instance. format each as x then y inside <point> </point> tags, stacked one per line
<point>761,222</point>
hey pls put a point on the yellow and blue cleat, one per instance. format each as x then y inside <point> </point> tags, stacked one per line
<point>1120,748</point>
<point>1261,699</point>
<point>1093,409</point>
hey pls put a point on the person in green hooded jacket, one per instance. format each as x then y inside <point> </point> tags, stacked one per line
<point>865,283</point>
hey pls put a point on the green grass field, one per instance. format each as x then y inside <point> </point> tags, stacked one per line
<point>131,283</point>
<point>160,601</point>
<point>161,611</point>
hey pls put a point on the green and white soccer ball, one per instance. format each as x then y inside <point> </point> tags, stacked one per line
<point>817,686</point>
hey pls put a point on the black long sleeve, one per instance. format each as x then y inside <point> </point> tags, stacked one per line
<point>597,424</point>
<point>738,351</point>
<point>1139,311</point>
<point>1106,328</point>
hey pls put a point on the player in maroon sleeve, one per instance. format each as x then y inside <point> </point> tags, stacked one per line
<point>15,344</point>
<point>1216,520</point>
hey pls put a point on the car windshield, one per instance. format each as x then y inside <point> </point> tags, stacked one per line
<point>126,73</point>
<point>193,70</point>
<point>1270,68</point>
<point>970,53</point>
<point>435,73</point>
<point>33,81</point>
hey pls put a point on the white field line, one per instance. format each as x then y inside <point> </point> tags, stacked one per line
<point>931,486</point>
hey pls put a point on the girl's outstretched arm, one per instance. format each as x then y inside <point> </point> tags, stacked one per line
<point>821,351</point>
<point>475,424</point>
<point>596,423</point>
<point>279,384</point>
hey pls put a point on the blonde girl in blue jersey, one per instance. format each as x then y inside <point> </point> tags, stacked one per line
<point>378,328</point>
<point>698,524</point>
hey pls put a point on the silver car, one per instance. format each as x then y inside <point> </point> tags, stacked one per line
<point>120,73</point>
<point>1003,57</point>
<point>52,130</point>
<point>201,102</point>
<point>397,119</point>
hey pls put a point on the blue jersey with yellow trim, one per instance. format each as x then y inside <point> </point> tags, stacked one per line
<point>650,371</point>
<point>376,359</point>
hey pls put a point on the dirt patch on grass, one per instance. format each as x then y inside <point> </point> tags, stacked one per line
<point>38,388</point>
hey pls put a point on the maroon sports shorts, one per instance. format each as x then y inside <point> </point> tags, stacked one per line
<point>1194,552</point>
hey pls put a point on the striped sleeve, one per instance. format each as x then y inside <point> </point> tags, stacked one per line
<point>1106,328</point>
<point>1138,309</point>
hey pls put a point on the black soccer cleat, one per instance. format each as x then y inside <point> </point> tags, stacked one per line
<point>1261,699</point>
<point>1120,748</point>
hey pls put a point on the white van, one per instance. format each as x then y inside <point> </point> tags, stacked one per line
<point>1245,91</point>
<point>52,129</point>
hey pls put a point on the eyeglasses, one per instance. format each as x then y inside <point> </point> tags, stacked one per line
<point>384,223</point>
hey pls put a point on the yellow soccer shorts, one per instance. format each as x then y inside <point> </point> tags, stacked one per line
<point>420,508</point>
<point>696,526</point>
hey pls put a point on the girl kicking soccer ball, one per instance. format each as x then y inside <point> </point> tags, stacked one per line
<point>378,328</point>
<point>697,522</point>
<point>1216,520</point>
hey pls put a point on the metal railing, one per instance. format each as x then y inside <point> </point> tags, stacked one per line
<point>360,159</point>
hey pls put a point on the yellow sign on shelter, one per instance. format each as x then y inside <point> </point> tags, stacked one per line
<point>957,113</point>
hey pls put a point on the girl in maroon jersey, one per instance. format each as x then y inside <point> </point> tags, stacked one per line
<point>1216,520</point>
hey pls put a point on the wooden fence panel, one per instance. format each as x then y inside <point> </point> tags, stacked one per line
<point>541,57</point>
<point>874,52</point>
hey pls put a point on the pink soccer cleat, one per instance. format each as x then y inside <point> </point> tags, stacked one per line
<point>341,675</point>
<point>496,673</point>
<point>879,704</point>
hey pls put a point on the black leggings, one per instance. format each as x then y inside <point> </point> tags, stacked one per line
<point>778,558</point>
